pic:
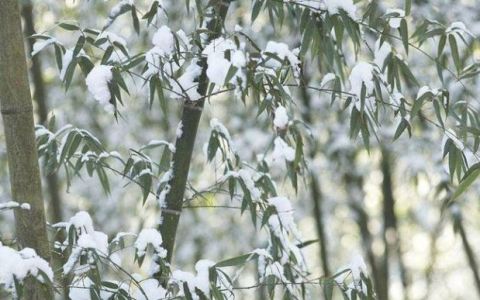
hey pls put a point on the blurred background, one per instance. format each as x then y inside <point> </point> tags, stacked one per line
<point>386,204</point>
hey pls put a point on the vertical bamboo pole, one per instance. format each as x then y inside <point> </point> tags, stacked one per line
<point>191,113</point>
<point>17,113</point>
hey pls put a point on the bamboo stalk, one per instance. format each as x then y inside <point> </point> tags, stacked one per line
<point>472,261</point>
<point>40,98</point>
<point>391,235</point>
<point>191,113</point>
<point>315,187</point>
<point>354,186</point>
<point>17,113</point>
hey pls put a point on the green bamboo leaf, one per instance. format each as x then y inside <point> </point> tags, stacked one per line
<point>455,54</point>
<point>467,180</point>
<point>257,6</point>
<point>401,127</point>
<point>136,23</point>
<point>441,45</point>
<point>79,45</point>
<point>68,26</point>
<point>236,261</point>
<point>69,73</point>
<point>404,34</point>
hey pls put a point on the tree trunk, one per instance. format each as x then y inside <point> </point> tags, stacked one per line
<point>315,190</point>
<point>391,236</point>
<point>354,187</point>
<point>472,261</point>
<point>17,112</point>
<point>192,111</point>
<point>39,96</point>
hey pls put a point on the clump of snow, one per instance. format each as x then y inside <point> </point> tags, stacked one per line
<point>159,57</point>
<point>276,269</point>
<point>396,97</point>
<point>150,236</point>
<point>284,216</point>
<point>164,40</point>
<point>186,84</point>
<point>217,126</point>
<point>87,239</point>
<point>199,281</point>
<point>156,143</point>
<point>66,60</point>
<point>80,289</point>
<point>327,78</point>
<point>218,65</point>
<point>96,240</point>
<point>282,52</point>
<point>248,178</point>
<point>41,44</point>
<point>281,118</point>
<point>357,266</point>
<point>362,73</point>
<point>13,204</point>
<point>179,130</point>
<point>283,206</point>
<point>17,265</point>
<point>183,38</point>
<point>97,83</point>
<point>82,222</point>
<point>426,90</point>
<point>249,182</point>
<point>121,235</point>
<point>25,206</point>
<point>164,187</point>
<point>381,53</point>
<point>459,27</point>
<point>456,141</point>
<point>282,151</point>
<point>263,255</point>
<point>153,290</point>
<point>117,9</point>
<point>335,6</point>
<point>394,21</point>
